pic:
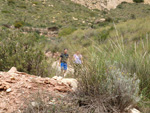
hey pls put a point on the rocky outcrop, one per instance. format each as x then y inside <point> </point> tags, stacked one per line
<point>147,1</point>
<point>70,82</point>
<point>103,4</point>
<point>14,86</point>
<point>48,32</point>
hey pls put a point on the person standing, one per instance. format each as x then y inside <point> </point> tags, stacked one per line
<point>78,60</point>
<point>63,61</point>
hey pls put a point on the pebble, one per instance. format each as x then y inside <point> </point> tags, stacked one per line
<point>8,90</point>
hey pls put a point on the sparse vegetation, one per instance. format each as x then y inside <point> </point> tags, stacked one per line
<point>66,31</point>
<point>124,10</point>
<point>56,13</point>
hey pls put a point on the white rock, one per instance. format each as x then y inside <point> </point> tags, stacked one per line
<point>12,70</point>
<point>34,104</point>
<point>135,111</point>
<point>71,82</point>
<point>83,22</point>
<point>52,102</point>
<point>8,90</point>
<point>74,18</point>
<point>67,81</point>
<point>57,78</point>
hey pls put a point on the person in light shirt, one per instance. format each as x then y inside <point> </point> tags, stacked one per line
<point>78,60</point>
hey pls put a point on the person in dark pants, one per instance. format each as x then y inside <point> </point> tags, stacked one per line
<point>63,61</point>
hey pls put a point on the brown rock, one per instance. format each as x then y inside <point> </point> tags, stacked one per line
<point>100,20</point>
<point>12,78</point>
<point>62,89</point>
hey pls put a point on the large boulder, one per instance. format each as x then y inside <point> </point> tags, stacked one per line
<point>70,82</point>
<point>147,1</point>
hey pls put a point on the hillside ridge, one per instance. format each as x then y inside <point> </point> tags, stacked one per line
<point>104,4</point>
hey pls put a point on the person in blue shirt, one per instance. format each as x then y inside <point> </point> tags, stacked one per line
<point>63,61</point>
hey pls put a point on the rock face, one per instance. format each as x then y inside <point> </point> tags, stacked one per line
<point>147,1</point>
<point>103,4</point>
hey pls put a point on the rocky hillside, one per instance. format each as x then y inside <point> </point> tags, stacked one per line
<point>103,4</point>
<point>56,13</point>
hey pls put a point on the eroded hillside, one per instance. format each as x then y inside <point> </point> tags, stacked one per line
<point>103,4</point>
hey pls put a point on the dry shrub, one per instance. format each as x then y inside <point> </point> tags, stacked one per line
<point>45,102</point>
<point>115,88</point>
<point>122,86</point>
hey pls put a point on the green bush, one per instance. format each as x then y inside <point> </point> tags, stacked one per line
<point>101,36</point>
<point>109,19</point>
<point>11,2</point>
<point>120,6</point>
<point>18,24</point>
<point>36,2</point>
<point>138,1</point>
<point>22,51</point>
<point>133,16</point>
<point>5,11</point>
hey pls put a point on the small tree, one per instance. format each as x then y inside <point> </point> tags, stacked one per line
<point>138,1</point>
